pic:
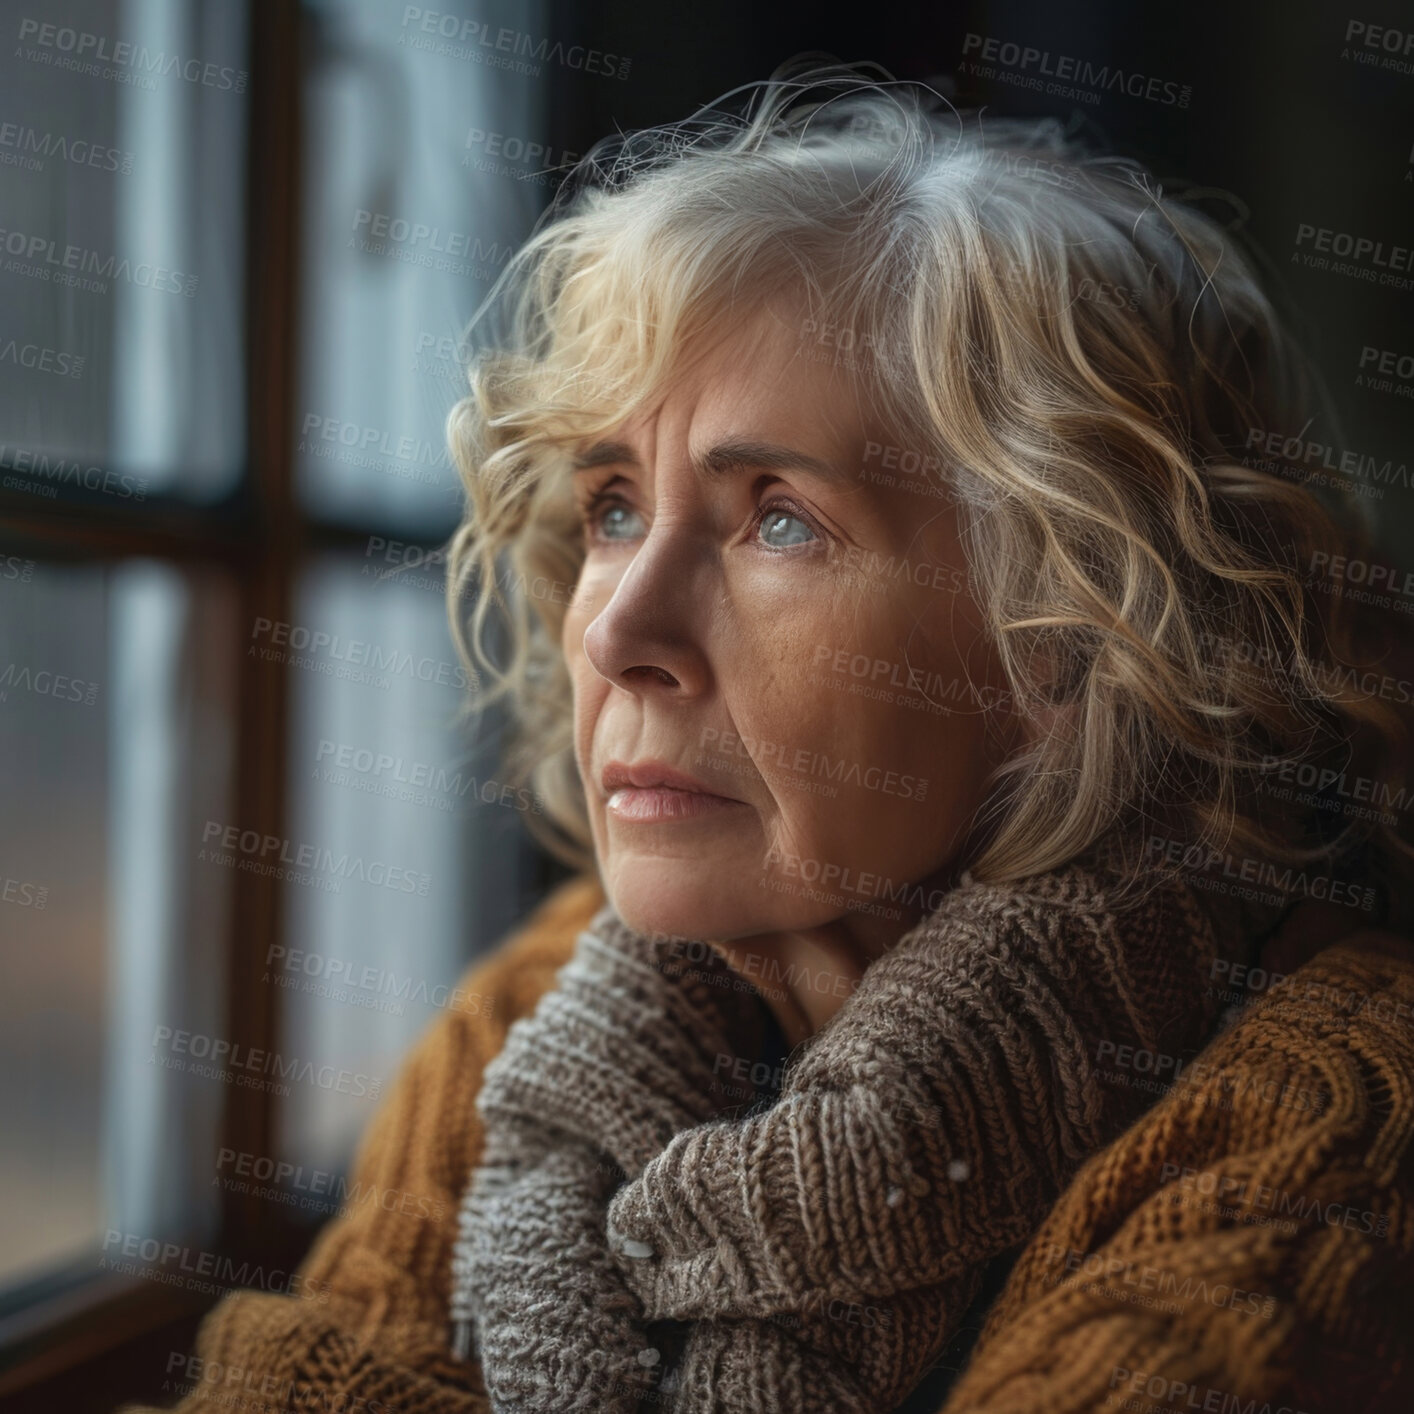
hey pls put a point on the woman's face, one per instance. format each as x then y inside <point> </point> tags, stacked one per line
<point>762,613</point>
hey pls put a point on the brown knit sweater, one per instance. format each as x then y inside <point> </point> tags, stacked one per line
<point>823,1247</point>
<point>1248,1246</point>
<point>1335,1337</point>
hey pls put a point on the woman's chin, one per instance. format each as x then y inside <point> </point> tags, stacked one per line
<point>652,917</point>
<point>673,899</point>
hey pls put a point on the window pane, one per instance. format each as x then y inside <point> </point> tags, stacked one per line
<point>416,856</point>
<point>114,746</point>
<point>122,188</point>
<point>422,170</point>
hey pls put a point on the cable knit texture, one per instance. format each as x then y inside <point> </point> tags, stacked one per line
<point>1249,1244</point>
<point>926,1128</point>
<point>1056,1341</point>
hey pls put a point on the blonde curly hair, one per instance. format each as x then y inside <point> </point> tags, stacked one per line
<point>1086,360</point>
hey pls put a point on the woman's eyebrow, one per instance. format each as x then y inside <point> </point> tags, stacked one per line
<point>721,459</point>
<point>604,454</point>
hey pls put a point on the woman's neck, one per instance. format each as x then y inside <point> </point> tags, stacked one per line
<point>806,975</point>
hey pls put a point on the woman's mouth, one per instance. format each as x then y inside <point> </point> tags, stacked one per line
<point>663,803</point>
<point>655,791</point>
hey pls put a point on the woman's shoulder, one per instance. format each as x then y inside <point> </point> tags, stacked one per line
<point>1277,1166</point>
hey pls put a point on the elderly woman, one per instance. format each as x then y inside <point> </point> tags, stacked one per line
<point>926,658</point>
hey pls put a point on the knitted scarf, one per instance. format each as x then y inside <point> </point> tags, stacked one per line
<point>654,1220</point>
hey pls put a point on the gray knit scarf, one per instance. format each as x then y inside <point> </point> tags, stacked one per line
<point>651,1226</point>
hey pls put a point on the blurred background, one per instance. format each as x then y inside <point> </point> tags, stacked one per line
<point>239,243</point>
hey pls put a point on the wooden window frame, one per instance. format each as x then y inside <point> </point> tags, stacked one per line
<point>79,1321</point>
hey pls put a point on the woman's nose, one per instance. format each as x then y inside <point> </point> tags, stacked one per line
<point>650,633</point>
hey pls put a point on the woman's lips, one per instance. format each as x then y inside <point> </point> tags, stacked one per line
<point>662,803</point>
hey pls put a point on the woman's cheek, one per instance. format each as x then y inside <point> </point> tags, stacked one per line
<point>791,620</point>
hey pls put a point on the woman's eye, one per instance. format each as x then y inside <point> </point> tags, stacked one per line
<point>781,528</point>
<point>613,520</point>
<point>609,518</point>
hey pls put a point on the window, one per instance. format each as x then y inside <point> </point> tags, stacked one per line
<point>248,849</point>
